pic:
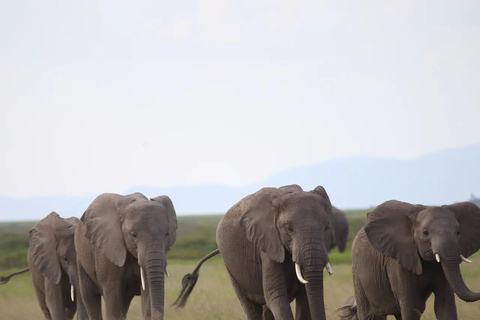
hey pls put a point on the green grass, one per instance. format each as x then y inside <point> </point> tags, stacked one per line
<point>213,297</point>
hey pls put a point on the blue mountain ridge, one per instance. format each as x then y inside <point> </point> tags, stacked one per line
<point>443,177</point>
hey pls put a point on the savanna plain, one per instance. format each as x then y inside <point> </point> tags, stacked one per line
<point>213,296</point>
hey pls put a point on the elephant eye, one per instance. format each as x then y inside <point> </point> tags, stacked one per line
<point>290,229</point>
<point>133,234</point>
<point>65,258</point>
<point>425,233</point>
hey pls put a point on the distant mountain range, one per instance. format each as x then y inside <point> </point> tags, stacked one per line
<point>443,177</point>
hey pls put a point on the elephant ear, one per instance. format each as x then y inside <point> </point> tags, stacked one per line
<point>72,221</point>
<point>103,227</point>
<point>171,219</point>
<point>389,229</point>
<point>330,233</point>
<point>43,246</point>
<point>259,221</point>
<point>468,216</point>
<point>320,191</point>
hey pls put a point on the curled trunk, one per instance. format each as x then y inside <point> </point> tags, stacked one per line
<point>155,275</point>
<point>81,309</point>
<point>451,268</point>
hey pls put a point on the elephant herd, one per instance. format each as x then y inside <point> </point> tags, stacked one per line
<point>274,243</point>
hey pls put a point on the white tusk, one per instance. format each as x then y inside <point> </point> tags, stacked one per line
<point>141,278</point>
<point>166,272</point>
<point>329,268</point>
<point>437,257</point>
<point>299,274</point>
<point>465,259</point>
<point>72,292</point>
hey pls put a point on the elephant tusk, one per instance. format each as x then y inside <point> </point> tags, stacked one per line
<point>72,292</point>
<point>299,274</point>
<point>329,268</point>
<point>166,272</point>
<point>465,259</point>
<point>141,278</point>
<point>437,257</point>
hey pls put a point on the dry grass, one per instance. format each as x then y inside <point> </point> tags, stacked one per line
<point>214,298</point>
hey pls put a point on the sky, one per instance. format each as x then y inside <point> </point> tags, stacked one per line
<point>100,96</point>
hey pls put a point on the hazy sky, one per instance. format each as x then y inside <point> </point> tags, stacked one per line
<point>102,96</point>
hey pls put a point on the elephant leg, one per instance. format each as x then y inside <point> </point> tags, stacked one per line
<point>252,310</point>
<point>82,311</point>
<point>275,289</point>
<point>409,311</point>
<point>444,305</point>
<point>53,299</point>
<point>126,305</point>
<point>363,305</point>
<point>42,302</point>
<point>302,309</point>
<point>113,296</point>
<point>267,313</point>
<point>91,298</point>
<point>410,299</point>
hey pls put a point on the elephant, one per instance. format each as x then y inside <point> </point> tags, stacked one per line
<point>274,245</point>
<point>341,229</point>
<point>406,252</point>
<point>52,262</point>
<point>121,243</point>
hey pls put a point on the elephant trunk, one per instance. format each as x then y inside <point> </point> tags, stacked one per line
<point>451,268</point>
<point>75,293</point>
<point>155,264</point>
<point>313,259</point>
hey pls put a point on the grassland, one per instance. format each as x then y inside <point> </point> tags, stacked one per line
<point>213,297</point>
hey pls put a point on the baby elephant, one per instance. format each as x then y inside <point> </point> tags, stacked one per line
<point>52,261</point>
<point>407,252</point>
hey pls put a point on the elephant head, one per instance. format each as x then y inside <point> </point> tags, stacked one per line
<point>53,250</point>
<point>133,224</point>
<point>409,233</point>
<point>301,223</point>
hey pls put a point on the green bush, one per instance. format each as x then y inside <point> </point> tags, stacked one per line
<point>195,239</point>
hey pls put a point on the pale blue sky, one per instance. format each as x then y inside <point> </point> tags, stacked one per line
<point>101,96</point>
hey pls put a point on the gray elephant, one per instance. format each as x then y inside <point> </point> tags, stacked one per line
<point>121,243</point>
<point>405,253</point>
<point>341,229</point>
<point>53,264</point>
<point>274,245</point>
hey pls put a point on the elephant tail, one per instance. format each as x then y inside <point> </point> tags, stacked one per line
<point>349,310</point>
<point>5,279</point>
<point>189,281</point>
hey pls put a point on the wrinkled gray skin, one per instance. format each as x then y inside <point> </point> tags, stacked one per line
<point>394,265</point>
<point>261,237</point>
<point>53,264</point>
<point>341,229</point>
<point>114,238</point>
